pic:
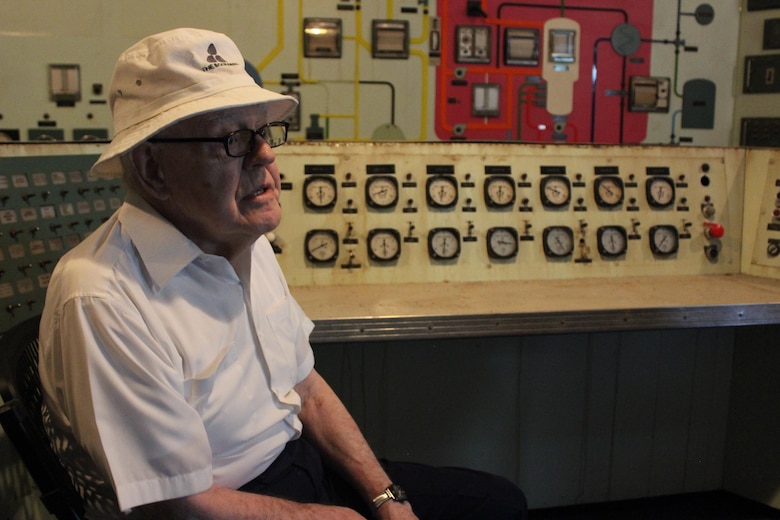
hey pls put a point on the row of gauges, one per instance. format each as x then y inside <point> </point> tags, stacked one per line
<point>441,191</point>
<point>444,243</point>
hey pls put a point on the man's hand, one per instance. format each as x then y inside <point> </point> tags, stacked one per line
<point>395,511</point>
<point>330,427</point>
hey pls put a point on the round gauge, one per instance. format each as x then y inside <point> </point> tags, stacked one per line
<point>660,192</point>
<point>319,191</point>
<point>321,246</point>
<point>441,191</point>
<point>664,240</point>
<point>382,191</point>
<point>502,242</point>
<point>608,191</point>
<point>555,191</point>
<point>558,241</point>
<point>499,191</point>
<point>444,243</point>
<point>384,245</point>
<point>613,241</point>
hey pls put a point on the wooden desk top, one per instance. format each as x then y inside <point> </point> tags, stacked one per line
<point>380,312</point>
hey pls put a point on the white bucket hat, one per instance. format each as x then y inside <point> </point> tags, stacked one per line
<point>174,75</point>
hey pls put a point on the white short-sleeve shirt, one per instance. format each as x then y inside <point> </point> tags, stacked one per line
<point>168,369</point>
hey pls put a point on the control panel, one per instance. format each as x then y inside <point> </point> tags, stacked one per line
<point>762,214</point>
<point>394,213</point>
<point>359,213</point>
<point>48,204</point>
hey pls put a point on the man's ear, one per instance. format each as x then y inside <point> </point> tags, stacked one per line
<point>147,171</point>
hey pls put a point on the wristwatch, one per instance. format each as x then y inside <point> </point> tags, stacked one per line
<point>393,492</point>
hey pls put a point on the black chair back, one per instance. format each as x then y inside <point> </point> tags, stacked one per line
<point>20,416</point>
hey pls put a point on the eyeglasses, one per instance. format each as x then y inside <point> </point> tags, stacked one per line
<point>238,143</point>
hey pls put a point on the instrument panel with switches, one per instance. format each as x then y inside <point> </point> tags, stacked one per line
<point>48,204</point>
<point>426,212</point>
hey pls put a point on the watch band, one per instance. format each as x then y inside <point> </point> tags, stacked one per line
<point>392,492</point>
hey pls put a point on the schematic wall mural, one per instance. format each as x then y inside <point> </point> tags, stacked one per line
<point>540,71</point>
<point>577,71</point>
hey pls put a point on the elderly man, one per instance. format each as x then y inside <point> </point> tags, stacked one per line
<point>174,361</point>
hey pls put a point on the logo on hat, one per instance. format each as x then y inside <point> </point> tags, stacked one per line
<point>213,56</point>
<point>214,59</point>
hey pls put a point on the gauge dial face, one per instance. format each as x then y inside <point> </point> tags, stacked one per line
<point>608,191</point>
<point>319,191</point>
<point>613,241</point>
<point>660,192</point>
<point>502,242</point>
<point>321,245</point>
<point>664,240</point>
<point>499,191</point>
<point>441,191</point>
<point>384,245</point>
<point>555,191</point>
<point>381,191</point>
<point>558,241</point>
<point>444,243</point>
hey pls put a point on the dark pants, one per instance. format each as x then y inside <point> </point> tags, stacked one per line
<point>435,493</point>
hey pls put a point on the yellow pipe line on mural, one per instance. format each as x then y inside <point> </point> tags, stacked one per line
<point>279,37</point>
<point>360,42</point>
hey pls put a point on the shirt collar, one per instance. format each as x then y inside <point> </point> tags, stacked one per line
<point>163,249</point>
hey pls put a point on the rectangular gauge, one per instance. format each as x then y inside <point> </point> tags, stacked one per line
<point>473,44</point>
<point>648,94</point>
<point>521,47</point>
<point>562,45</point>
<point>485,99</point>
<point>65,84</point>
<point>322,37</point>
<point>390,39</point>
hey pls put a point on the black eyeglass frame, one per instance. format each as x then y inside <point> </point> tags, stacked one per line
<point>225,140</point>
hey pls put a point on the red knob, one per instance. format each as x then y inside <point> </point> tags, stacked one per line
<point>713,229</point>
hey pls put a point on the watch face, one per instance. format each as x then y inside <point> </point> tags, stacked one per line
<point>399,495</point>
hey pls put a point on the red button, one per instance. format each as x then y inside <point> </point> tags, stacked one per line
<point>713,229</point>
